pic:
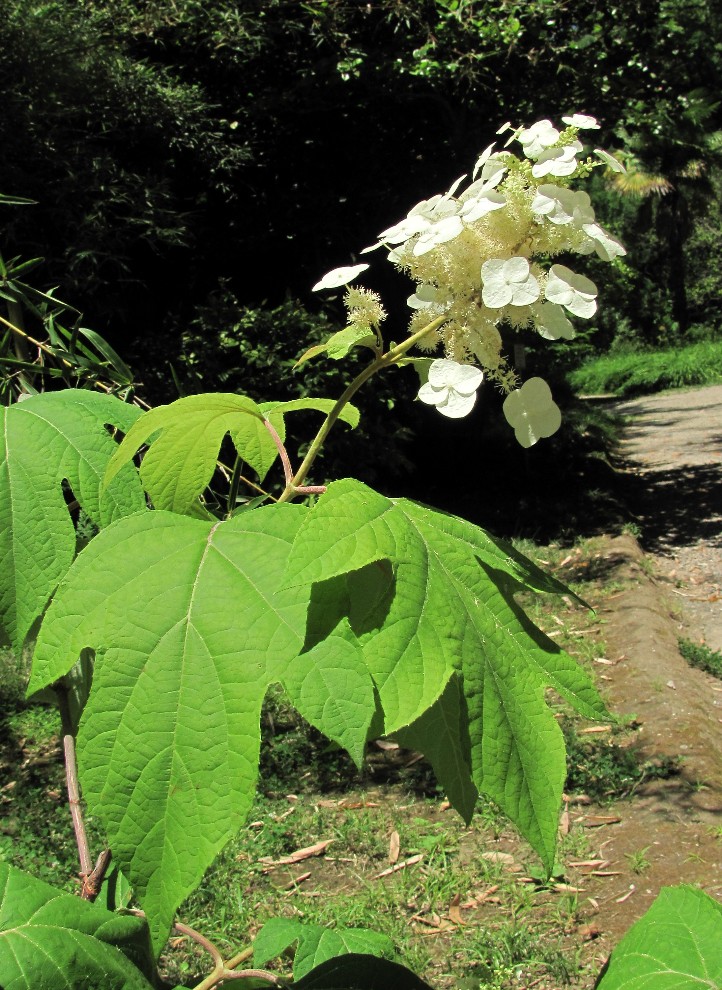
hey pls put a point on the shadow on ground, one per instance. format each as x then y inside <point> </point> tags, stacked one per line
<point>677,507</point>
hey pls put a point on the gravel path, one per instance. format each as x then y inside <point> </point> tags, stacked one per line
<point>673,445</point>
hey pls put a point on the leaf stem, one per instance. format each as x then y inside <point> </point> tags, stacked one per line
<point>235,483</point>
<point>386,360</point>
<point>76,812</point>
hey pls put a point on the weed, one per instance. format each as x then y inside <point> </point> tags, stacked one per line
<point>601,768</point>
<point>701,656</point>
<point>638,862</point>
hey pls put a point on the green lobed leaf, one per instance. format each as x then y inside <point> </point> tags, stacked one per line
<point>340,344</point>
<point>360,972</point>
<point>182,456</point>
<point>185,437</point>
<point>442,733</point>
<point>276,413</point>
<point>676,945</point>
<point>316,944</point>
<point>189,632</point>
<point>446,608</point>
<point>52,939</point>
<point>48,439</point>
<point>344,341</point>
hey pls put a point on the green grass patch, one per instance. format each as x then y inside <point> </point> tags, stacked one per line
<point>701,656</point>
<point>607,766</point>
<point>641,372</point>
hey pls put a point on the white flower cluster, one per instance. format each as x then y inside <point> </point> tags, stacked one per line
<point>479,256</point>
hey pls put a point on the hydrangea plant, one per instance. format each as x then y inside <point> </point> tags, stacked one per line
<point>378,616</point>
<point>480,255</point>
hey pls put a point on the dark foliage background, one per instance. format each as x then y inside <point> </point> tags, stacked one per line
<point>196,166</point>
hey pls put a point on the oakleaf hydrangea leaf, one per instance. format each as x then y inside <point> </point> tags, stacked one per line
<point>52,939</point>
<point>441,603</point>
<point>442,733</point>
<point>189,632</point>
<point>676,945</point>
<point>276,411</point>
<point>340,343</point>
<point>316,944</point>
<point>185,437</point>
<point>48,439</point>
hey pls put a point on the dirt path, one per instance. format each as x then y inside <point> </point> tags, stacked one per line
<point>673,447</point>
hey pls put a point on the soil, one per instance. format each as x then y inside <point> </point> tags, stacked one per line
<point>670,582</point>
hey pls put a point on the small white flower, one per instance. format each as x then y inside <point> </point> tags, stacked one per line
<point>426,295</point>
<point>575,292</point>
<point>562,206</point>
<point>339,276</point>
<point>539,136</point>
<point>552,323</point>
<point>478,206</point>
<point>508,282</point>
<point>438,233</point>
<point>557,161</point>
<point>451,387</point>
<point>609,160</point>
<point>482,160</point>
<point>532,412</point>
<point>435,208</point>
<point>402,230</point>
<point>606,246</point>
<point>582,121</point>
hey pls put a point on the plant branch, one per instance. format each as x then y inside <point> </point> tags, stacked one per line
<point>222,970</point>
<point>219,976</point>
<point>202,941</point>
<point>391,357</point>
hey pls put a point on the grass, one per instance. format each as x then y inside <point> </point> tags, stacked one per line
<point>701,656</point>
<point>628,373</point>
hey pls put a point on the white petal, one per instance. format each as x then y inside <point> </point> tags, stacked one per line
<point>532,412</point>
<point>440,233</point>
<point>475,209</point>
<point>339,276</point>
<point>496,294</point>
<point>536,393</point>
<point>465,378</point>
<point>493,172</point>
<point>609,160</point>
<point>552,323</point>
<point>556,161</point>
<point>582,121</point>
<point>536,138</point>
<point>606,246</point>
<point>516,269</point>
<point>457,406</point>
<point>526,292</point>
<point>482,159</point>
<point>432,396</point>
<point>441,372</point>
<point>404,229</point>
<point>560,275</point>
<point>455,185</point>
